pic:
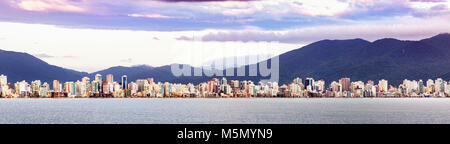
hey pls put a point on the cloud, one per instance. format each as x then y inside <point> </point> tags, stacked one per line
<point>42,55</point>
<point>50,5</point>
<point>185,38</point>
<point>412,29</point>
<point>202,0</point>
<point>428,0</point>
<point>168,15</point>
<point>128,60</point>
<point>441,7</point>
<point>239,12</point>
<point>69,57</point>
<point>155,16</point>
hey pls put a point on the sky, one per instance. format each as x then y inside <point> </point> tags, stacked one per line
<point>91,35</point>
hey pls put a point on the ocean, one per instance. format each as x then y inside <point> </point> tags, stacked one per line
<point>226,111</point>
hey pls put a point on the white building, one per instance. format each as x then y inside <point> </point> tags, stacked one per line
<point>383,85</point>
<point>3,85</point>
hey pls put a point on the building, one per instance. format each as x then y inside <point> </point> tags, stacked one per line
<point>109,78</point>
<point>150,81</point>
<point>439,85</point>
<point>22,89</point>
<point>345,83</point>
<point>124,82</point>
<point>297,81</point>
<point>309,84</point>
<point>105,87</point>
<point>383,85</point>
<point>3,85</point>
<point>319,85</point>
<point>421,88</point>
<point>3,80</point>
<point>430,85</point>
<point>95,87</point>
<point>57,87</point>
<point>98,77</point>
<point>141,84</point>
<point>336,87</point>
<point>35,88</point>
<point>44,90</point>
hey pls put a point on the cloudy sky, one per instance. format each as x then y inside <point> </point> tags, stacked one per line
<point>90,35</point>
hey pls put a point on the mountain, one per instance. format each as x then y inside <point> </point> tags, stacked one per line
<point>361,60</point>
<point>21,66</point>
<point>358,59</point>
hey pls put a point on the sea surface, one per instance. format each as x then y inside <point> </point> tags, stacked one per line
<point>226,111</point>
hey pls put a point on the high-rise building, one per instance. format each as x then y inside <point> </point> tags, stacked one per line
<point>150,81</point>
<point>421,87</point>
<point>3,85</point>
<point>109,78</point>
<point>319,85</point>
<point>383,84</point>
<point>309,84</point>
<point>447,89</point>
<point>116,87</point>
<point>70,88</point>
<point>224,81</point>
<point>297,81</point>
<point>87,83</point>
<point>85,80</point>
<point>22,88</point>
<point>370,82</point>
<point>133,87</point>
<point>105,86</point>
<point>124,82</point>
<point>3,80</point>
<point>44,90</point>
<point>98,77</point>
<point>336,87</point>
<point>95,87</point>
<point>140,84</point>
<point>345,82</point>
<point>73,89</point>
<point>430,84</point>
<point>56,86</point>
<point>439,85</point>
<point>35,87</point>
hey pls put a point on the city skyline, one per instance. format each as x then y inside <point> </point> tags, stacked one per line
<point>147,87</point>
<point>74,33</point>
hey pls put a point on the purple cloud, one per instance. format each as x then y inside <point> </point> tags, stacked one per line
<point>428,0</point>
<point>51,5</point>
<point>441,7</point>
<point>184,38</point>
<point>201,0</point>
<point>420,29</point>
<point>168,15</point>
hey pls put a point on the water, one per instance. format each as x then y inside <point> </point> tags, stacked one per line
<point>254,110</point>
